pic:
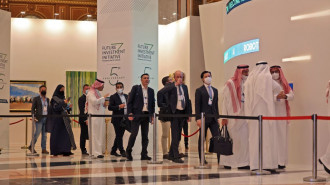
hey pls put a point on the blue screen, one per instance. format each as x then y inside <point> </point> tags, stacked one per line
<point>241,49</point>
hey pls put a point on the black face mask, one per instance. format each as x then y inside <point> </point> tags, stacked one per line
<point>43,93</point>
<point>62,93</point>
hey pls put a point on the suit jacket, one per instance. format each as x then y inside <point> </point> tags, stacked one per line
<point>135,101</point>
<point>114,103</point>
<point>201,103</point>
<point>37,108</point>
<point>171,91</point>
<point>81,104</point>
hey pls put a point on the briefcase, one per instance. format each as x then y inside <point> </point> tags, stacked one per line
<point>222,144</point>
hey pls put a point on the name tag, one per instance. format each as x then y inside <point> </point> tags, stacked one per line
<point>210,101</point>
<point>45,108</point>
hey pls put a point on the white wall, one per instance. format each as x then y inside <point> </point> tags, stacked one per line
<point>45,50</point>
<point>270,21</point>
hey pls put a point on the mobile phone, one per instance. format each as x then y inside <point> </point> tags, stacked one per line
<point>107,99</point>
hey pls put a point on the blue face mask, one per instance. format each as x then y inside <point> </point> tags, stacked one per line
<point>86,92</point>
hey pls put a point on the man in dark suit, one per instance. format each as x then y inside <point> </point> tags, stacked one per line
<point>141,100</point>
<point>40,105</point>
<point>118,106</point>
<point>179,103</point>
<point>206,100</point>
<point>82,120</point>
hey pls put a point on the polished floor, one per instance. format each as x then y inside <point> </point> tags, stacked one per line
<point>16,168</point>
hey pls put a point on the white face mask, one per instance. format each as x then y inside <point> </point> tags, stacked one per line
<point>244,77</point>
<point>120,91</point>
<point>86,92</point>
<point>276,76</point>
<point>208,80</point>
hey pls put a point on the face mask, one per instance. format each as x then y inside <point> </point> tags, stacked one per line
<point>276,76</point>
<point>120,91</point>
<point>244,77</point>
<point>43,93</point>
<point>208,80</point>
<point>86,91</point>
<point>62,93</point>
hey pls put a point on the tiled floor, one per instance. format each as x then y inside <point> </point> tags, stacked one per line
<point>16,168</point>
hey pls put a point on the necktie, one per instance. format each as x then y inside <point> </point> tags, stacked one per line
<point>210,91</point>
<point>182,99</point>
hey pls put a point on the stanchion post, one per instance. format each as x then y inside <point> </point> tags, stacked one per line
<point>32,154</point>
<point>260,171</point>
<point>90,134</point>
<point>314,177</point>
<point>202,136</point>
<point>26,133</point>
<point>155,135</point>
<point>106,153</point>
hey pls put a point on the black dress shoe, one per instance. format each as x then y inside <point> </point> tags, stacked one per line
<point>170,158</point>
<point>84,153</point>
<point>165,156</point>
<point>281,167</point>
<point>123,153</point>
<point>244,168</point>
<point>325,168</point>
<point>129,156</point>
<point>178,160</point>
<point>272,171</point>
<point>182,155</point>
<point>227,167</point>
<point>115,154</point>
<point>100,156</point>
<point>145,158</point>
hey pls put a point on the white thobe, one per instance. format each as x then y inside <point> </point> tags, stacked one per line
<point>96,106</point>
<point>281,127</point>
<point>326,157</point>
<point>265,107</point>
<point>238,130</point>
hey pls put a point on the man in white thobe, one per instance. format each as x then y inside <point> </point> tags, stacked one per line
<point>325,159</point>
<point>259,90</point>
<point>233,104</point>
<point>282,109</point>
<point>96,104</point>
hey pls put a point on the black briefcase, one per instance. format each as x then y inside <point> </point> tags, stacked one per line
<point>222,144</point>
<point>127,124</point>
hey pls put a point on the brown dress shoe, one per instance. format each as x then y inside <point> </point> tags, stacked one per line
<point>45,151</point>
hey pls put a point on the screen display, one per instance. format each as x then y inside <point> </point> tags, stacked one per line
<point>241,49</point>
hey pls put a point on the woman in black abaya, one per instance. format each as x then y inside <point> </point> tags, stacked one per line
<point>61,138</point>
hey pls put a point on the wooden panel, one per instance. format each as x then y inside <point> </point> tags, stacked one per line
<point>16,9</point>
<point>76,13</point>
<point>63,10</point>
<point>46,10</point>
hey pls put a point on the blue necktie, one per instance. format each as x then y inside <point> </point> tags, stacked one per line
<point>182,100</point>
<point>210,92</point>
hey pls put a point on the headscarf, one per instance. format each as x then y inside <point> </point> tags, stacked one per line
<point>258,87</point>
<point>286,87</point>
<point>237,79</point>
<point>57,92</point>
<point>327,91</point>
<point>97,84</point>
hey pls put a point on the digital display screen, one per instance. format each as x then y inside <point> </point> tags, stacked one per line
<point>233,4</point>
<point>241,49</point>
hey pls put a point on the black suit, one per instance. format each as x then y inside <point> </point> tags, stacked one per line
<point>202,98</point>
<point>135,106</point>
<point>115,101</point>
<point>176,122</point>
<point>82,122</point>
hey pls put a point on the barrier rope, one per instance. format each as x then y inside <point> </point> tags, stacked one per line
<point>288,118</point>
<point>16,122</point>
<point>323,117</point>
<point>191,134</point>
<point>75,121</point>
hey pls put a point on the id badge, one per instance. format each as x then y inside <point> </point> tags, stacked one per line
<point>45,108</point>
<point>210,101</point>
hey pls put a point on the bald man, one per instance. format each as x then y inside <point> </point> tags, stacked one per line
<point>178,101</point>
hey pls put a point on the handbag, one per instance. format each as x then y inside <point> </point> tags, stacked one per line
<point>222,144</point>
<point>127,124</point>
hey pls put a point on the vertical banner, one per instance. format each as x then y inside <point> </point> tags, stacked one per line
<point>5,22</point>
<point>127,46</point>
